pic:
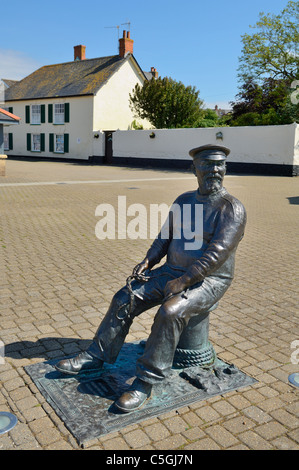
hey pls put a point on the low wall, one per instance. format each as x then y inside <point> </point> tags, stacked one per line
<point>258,149</point>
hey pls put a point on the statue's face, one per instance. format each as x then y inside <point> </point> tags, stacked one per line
<point>210,175</point>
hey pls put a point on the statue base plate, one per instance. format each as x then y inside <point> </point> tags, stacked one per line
<point>85,402</point>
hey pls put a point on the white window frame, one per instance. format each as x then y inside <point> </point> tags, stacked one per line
<point>58,143</point>
<point>59,113</point>
<point>6,140</point>
<point>35,114</point>
<point>35,143</point>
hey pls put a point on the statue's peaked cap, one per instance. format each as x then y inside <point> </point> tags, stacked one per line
<point>210,152</point>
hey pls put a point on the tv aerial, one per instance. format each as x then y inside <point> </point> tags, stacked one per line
<point>128,23</point>
<point>117,27</point>
<point>113,27</point>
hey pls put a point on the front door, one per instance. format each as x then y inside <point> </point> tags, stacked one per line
<point>108,147</point>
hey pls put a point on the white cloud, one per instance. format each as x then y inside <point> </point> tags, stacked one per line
<point>15,65</point>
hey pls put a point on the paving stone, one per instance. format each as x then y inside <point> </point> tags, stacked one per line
<point>238,424</point>
<point>117,443</point>
<point>285,418</point>
<point>207,414</point>
<point>239,402</point>
<point>203,444</point>
<point>257,414</point>
<point>176,424</point>
<point>171,443</point>
<point>193,434</point>
<point>284,443</point>
<point>157,431</point>
<point>254,441</point>
<point>137,438</point>
<point>224,408</point>
<point>221,436</point>
<point>271,430</point>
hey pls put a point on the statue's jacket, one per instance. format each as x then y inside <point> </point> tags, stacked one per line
<point>217,222</point>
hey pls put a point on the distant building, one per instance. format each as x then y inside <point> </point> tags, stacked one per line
<point>63,106</point>
<point>221,112</point>
<point>6,138</point>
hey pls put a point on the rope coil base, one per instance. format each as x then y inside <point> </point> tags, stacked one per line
<point>194,357</point>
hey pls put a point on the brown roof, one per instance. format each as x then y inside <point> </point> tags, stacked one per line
<point>8,117</point>
<point>9,82</point>
<point>76,78</point>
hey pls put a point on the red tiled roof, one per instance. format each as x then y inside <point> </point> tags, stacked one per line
<point>9,115</point>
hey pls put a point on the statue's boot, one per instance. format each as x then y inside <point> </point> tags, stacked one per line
<point>84,362</point>
<point>135,397</point>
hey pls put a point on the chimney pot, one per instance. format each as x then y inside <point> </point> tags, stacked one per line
<point>79,52</point>
<point>154,72</point>
<point>125,44</point>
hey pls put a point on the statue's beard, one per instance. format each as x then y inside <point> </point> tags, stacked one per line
<point>212,184</point>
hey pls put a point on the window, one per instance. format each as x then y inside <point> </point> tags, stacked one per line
<point>35,114</point>
<point>35,144</point>
<point>6,140</point>
<point>59,113</point>
<point>59,143</point>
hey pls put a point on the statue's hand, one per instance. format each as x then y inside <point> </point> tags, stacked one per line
<point>175,286</point>
<point>141,267</point>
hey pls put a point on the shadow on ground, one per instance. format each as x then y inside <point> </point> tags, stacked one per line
<point>46,348</point>
<point>293,200</point>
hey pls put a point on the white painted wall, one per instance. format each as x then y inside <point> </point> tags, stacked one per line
<point>111,104</point>
<point>79,128</point>
<point>258,144</point>
<point>296,146</point>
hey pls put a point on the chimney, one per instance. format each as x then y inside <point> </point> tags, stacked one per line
<point>125,44</point>
<point>154,72</point>
<point>79,52</point>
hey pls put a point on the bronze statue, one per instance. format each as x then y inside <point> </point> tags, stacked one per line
<point>188,284</point>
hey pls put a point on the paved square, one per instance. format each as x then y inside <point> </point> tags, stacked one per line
<point>57,280</point>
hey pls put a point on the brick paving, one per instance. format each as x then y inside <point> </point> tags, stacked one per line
<point>57,280</point>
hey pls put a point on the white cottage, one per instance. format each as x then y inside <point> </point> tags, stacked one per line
<point>65,107</point>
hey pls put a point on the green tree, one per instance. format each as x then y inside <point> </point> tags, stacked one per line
<point>166,103</point>
<point>268,103</point>
<point>209,119</point>
<point>272,51</point>
<point>268,70</point>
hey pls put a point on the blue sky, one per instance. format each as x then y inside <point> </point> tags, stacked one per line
<point>197,42</point>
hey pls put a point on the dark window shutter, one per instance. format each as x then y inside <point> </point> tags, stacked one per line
<point>29,142</point>
<point>27,111</point>
<point>50,113</point>
<point>42,142</point>
<point>66,112</point>
<point>51,142</point>
<point>66,143</point>
<point>10,141</point>
<point>43,113</point>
